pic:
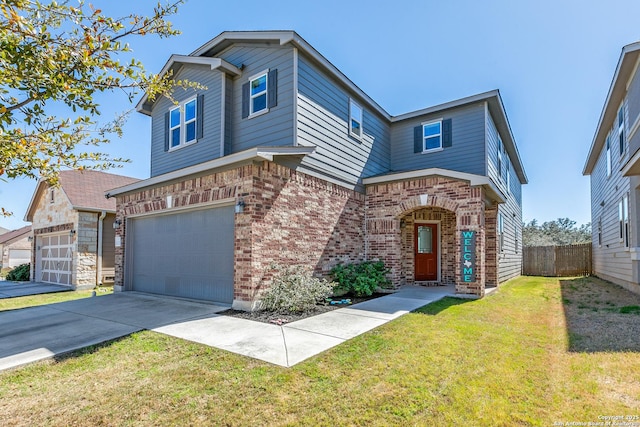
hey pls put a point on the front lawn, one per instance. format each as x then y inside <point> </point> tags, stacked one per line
<point>51,298</point>
<point>504,360</point>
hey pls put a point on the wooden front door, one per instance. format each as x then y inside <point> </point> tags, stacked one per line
<point>426,251</point>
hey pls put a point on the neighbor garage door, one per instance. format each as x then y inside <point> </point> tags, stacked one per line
<point>187,254</point>
<point>54,259</point>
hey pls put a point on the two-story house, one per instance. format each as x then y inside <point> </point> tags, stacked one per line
<point>613,165</point>
<point>283,159</point>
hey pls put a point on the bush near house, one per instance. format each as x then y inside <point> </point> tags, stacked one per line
<point>4,271</point>
<point>19,274</point>
<point>295,290</point>
<point>360,279</point>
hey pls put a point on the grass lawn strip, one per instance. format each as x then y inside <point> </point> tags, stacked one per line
<point>501,361</point>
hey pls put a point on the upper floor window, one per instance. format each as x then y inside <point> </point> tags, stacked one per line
<point>355,119</point>
<point>499,157</point>
<point>259,93</point>
<point>183,123</point>
<point>432,136</point>
<point>608,154</point>
<point>508,176</point>
<point>621,138</point>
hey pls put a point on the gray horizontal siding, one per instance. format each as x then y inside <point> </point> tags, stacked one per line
<point>611,260</point>
<point>205,149</point>
<point>323,116</point>
<point>633,111</point>
<point>274,128</point>
<point>467,154</point>
<point>510,258</point>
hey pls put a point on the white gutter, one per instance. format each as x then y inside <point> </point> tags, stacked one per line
<point>100,238</point>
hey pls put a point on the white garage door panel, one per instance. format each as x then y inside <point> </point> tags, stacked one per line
<point>55,259</point>
<point>187,254</point>
<point>19,256</point>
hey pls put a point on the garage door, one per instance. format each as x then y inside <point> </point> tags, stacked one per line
<point>54,259</point>
<point>187,254</point>
<point>19,256</point>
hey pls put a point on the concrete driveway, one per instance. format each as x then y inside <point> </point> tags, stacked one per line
<point>36,333</point>
<point>19,289</point>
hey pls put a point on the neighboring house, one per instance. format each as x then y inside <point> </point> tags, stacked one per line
<point>73,229</point>
<point>15,247</point>
<point>282,159</point>
<point>613,165</point>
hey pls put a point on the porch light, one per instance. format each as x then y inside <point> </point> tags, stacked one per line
<point>30,238</point>
<point>240,206</point>
<point>71,233</point>
<point>116,224</point>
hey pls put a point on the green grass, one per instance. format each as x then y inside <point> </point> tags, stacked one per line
<point>499,361</point>
<point>630,309</point>
<point>44,299</point>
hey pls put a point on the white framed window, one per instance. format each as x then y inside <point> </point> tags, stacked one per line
<point>621,138</point>
<point>500,232</point>
<point>608,154</point>
<point>499,157</point>
<point>258,87</point>
<point>355,119</point>
<point>508,176</point>
<point>600,232</point>
<point>623,220</point>
<point>183,123</point>
<point>432,136</point>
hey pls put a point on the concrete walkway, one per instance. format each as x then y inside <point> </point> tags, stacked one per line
<point>294,342</point>
<point>10,289</point>
<point>37,333</point>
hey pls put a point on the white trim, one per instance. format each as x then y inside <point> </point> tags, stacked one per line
<point>633,73</point>
<point>439,243</point>
<point>424,138</point>
<point>263,153</point>
<point>264,110</point>
<point>295,96</point>
<point>215,64</point>
<point>230,201</point>
<point>183,124</point>
<point>222,113</point>
<point>352,102</point>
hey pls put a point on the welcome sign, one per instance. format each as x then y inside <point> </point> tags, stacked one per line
<point>468,255</point>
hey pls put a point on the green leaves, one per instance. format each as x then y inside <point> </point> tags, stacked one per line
<point>54,55</point>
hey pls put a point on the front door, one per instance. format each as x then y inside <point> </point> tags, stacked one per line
<point>426,251</point>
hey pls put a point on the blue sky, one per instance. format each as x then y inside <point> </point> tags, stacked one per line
<point>553,62</point>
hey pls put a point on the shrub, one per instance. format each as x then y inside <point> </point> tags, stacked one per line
<point>360,279</point>
<point>20,273</point>
<point>295,290</point>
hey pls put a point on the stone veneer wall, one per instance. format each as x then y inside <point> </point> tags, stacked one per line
<point>85,257</point>
<point>387,204</point>
<point>289,218</point>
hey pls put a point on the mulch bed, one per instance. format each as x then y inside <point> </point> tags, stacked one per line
<point>282,318</point>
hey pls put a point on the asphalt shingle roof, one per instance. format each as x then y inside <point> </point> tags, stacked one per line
<point>6,237</point>
<point>86,188</point>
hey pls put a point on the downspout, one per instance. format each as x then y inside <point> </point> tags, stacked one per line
<point>103,214</point>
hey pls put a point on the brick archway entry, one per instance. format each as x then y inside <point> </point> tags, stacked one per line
<point>454,204</point>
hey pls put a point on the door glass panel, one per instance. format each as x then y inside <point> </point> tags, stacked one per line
<point>425,240</point>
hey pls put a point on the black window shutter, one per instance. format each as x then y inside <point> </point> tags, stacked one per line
<point>272,89</point>
<point>166,131</point>
<point>418,140</point>
<point>447,140</point>
<point>245,100</point>
<point>200,122</point>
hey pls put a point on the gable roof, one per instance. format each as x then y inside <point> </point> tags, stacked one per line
<point>85,190</point>
<point>283,37</point>
<point>624,71</point>
<point>15,235</point>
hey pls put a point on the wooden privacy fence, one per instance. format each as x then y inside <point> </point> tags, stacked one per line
<point>557,261</point>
